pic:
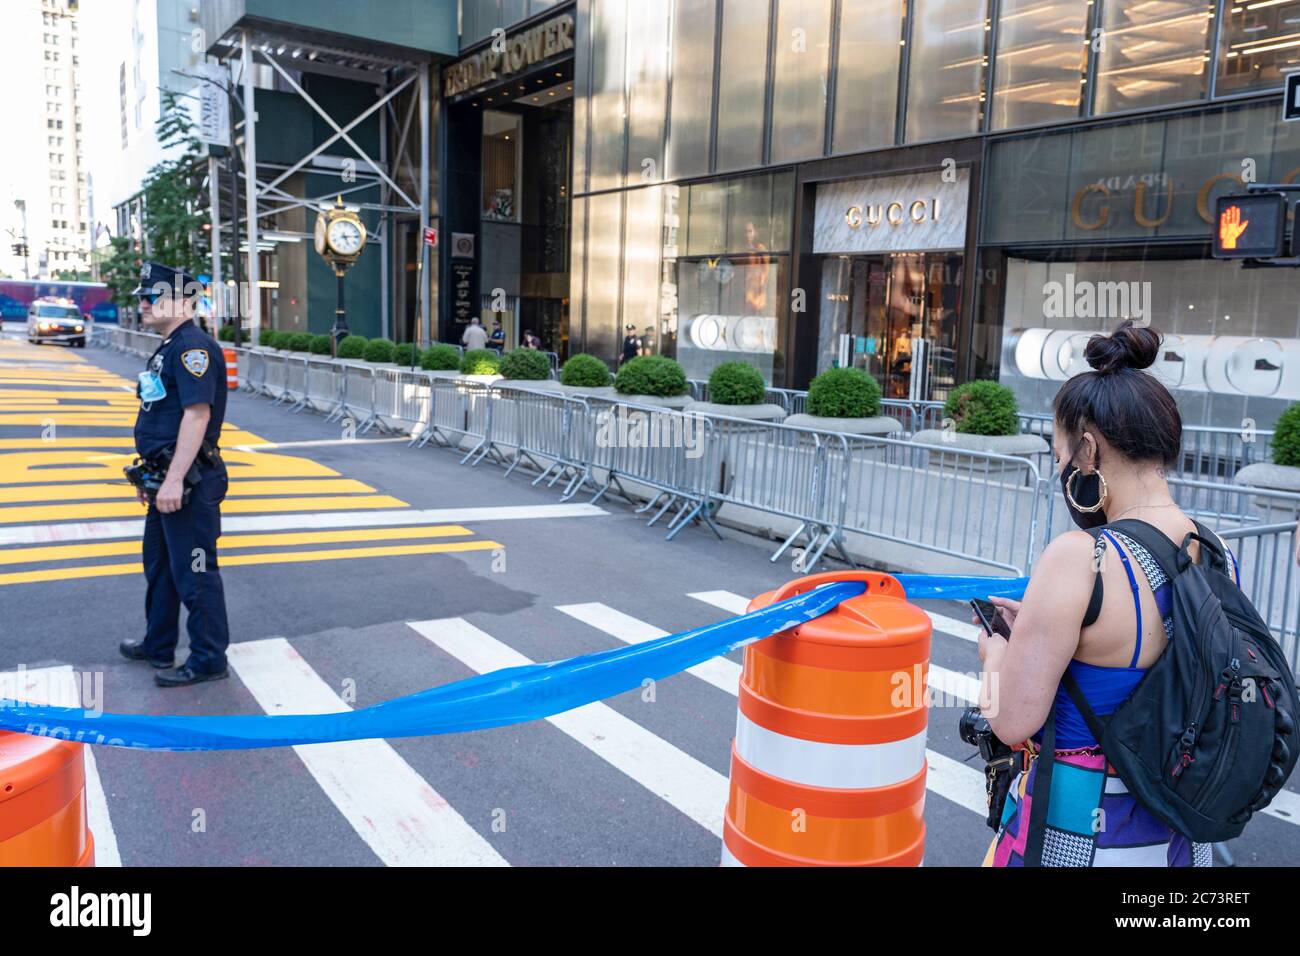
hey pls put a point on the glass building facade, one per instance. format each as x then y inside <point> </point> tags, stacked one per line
<point>906,186</point>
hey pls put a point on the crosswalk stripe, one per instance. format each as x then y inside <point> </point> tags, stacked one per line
<point>694,789</point>
<point>952,779</point>
<point>58,686</point>
<point>390,806</point>
<point>242,560</point>
<point>69,552</point>
<point>720,672</point>
<point>94,530</point>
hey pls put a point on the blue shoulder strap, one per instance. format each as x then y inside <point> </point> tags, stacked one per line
<point>1137,596</point>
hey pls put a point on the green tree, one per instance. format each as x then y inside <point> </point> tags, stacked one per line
<point>119,268</point>
<point>173,194</point>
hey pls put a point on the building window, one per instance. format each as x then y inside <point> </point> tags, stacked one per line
<point>945,91</point>
<point>1258,44</point>
<point>501,153</point>
<point>1042,55</point>
<point>692,100</point>
<point>1152,54</point>
<point>742,77</point>
<point>866,83</point>
<point>799,92</point>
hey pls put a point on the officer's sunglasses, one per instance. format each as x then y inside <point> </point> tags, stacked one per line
<point>150,297</point>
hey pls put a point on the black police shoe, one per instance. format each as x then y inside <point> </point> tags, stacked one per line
<point>134,651</point>
<point>182,677</point>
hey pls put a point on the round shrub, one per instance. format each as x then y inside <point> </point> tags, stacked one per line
<point>226,333</point>
<point>736,383</point>
<point>299,342</point>
<point>1286,438</point>
<point>320,345</point>
<point>983,408</point>
<point>526,364</point>
<point>378,350</point>
<point>844,393</point>
<point>270,338</point>
<point>352,347</point>
<point>651,375</point>
<point>404,354</point>
<point>585,371</point>
<point>480,362</point>
<point>440,358</point>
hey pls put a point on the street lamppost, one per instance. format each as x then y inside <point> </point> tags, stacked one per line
<point>340,238</point>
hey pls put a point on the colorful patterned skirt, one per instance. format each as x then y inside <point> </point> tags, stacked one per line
<point>1092,820</point>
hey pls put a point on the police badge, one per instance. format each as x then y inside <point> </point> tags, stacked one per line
<point>195,361</point>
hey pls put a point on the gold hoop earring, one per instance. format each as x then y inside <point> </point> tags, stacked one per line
<point>1069,492</point>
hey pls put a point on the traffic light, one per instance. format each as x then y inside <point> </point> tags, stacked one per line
<point>20,249</point>
<point>1250,227</point>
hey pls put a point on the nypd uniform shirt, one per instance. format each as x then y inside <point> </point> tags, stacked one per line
<point>186,369</point>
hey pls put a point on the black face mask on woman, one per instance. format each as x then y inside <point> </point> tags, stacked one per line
<point>1086,490</point>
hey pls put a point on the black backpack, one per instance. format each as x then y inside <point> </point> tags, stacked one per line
<point>1208,737</point>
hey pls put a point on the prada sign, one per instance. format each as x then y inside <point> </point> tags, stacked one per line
<point>913,212</point>
<point>510,55</point>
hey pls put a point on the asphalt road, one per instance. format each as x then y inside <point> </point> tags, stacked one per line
<point>339,595</point>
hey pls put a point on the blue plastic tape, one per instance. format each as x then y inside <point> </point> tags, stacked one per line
<point>513,695</point>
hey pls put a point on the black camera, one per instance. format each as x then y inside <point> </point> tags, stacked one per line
<point>974,729</point>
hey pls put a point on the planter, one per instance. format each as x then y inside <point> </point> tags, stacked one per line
<point>537,384</point>
<point>758,413</point>
<point>677,402</point>
<point>878,425</point>
<point>480,379</point>
<point>589,391</point>
<point>1028,447</point>
<point>1278,478</point>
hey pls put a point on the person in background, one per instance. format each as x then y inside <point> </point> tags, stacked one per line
<point>474,337</point>
<point>631,345</point>
<point>497,339</point>
<point>648,340</point>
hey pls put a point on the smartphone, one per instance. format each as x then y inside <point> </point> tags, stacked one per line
<point>990,618</point>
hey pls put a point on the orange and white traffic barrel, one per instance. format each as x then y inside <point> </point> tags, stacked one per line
<point>43,803</point>
<point>232,369</point>
<point>828,766</point>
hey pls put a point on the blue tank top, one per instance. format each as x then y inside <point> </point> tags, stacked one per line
<point>1106,688</point>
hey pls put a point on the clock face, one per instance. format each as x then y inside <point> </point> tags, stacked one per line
<point>320,234</point>
<point>344,237</point>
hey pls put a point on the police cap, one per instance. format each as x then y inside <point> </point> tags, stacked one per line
<point>154,275</point>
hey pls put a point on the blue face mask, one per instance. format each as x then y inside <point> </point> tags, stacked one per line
<point>151,387</point>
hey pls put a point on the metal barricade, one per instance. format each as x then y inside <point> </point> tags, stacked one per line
<point>1267,563</point>
<point>977,506</point>
<point>541,425</point>
<point>458,412</point>
<point>324,387</point>
<point>781,470</point>
<point>295,381</point>
<point>357,395</point>
<point>661,450</point>
<point>253,364</point>
<point>275,381</point>
<point>402,400</point>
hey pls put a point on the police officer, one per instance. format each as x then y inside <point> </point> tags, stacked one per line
<point>182,406</point>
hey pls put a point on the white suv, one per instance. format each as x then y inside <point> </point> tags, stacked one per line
<point>56,320</point>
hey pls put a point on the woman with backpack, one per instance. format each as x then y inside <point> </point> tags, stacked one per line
<point>1099,614</point>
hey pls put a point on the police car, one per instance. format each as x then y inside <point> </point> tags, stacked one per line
<point>56,320</point>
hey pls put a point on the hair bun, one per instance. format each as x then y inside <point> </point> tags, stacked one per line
<point>1129,346</point>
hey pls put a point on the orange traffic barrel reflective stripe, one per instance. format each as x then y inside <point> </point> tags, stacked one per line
<point>232,368</point>
<point>828,766</point>
<point>43,803</point>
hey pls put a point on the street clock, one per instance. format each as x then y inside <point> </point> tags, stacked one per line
<point>340,239</point>
<point>340,236</point>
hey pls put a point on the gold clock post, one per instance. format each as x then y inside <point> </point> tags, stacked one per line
<point>340,239</point>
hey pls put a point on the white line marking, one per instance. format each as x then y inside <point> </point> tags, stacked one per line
<point>270,446</point>
<point>99,530</point>
<point>59,687</point>
<point>696,790</point>
<point>950,779</point>
<point>390,806</point>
